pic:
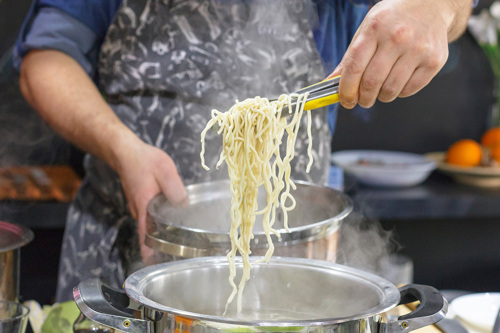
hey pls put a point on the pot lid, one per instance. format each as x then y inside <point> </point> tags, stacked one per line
<point>282,292</point>
<point>205,221</point>
<point>13,236</point>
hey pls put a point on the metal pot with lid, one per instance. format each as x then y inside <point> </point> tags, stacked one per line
<point>284,295</point>
<point>201,228</point>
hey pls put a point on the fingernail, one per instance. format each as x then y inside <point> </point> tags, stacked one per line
<point>348,104</point>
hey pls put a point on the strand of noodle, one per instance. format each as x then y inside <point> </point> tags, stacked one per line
<point>203,134</point>
<point>252,133</point>
<point>270,209</point>
<point>309,146</point>
<point>292,130</point>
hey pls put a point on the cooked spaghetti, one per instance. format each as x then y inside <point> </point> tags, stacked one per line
<point>252,133</point>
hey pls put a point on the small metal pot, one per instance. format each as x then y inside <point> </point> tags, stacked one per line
<point>201,228</point>
<point>284,295</point>
<point>12,238</point>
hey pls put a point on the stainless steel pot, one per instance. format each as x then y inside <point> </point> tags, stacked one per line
<point>202,228</point>
<point>12,238</point>
<point>284,295</point>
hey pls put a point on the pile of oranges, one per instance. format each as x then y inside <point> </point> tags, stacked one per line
<point>468,152</point>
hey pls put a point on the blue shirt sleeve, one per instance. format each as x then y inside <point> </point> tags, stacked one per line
<point>56,30</point>
<point>76,28</point>
<point>96,14</point>
<point>338,22</point>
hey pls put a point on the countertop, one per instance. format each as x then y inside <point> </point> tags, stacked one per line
<point>439,197</point>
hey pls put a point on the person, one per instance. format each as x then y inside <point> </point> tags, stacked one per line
<point>132,83</point>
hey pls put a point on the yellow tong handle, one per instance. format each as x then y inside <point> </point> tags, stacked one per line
<point>322,101</point>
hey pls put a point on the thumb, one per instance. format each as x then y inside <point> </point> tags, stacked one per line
<point>172,186</point>
<point>336,72</point>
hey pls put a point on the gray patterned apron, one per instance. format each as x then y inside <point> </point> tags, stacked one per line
<point>164,65</point>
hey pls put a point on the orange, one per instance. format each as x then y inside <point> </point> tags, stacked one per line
<point>491,137</point>
<point>465,152</point>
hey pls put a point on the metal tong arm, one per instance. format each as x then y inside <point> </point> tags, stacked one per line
<point>320,94</point>
<point>325,85</point>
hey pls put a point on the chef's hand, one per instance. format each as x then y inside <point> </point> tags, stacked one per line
<point>399,47</point>
<point>146,171</point>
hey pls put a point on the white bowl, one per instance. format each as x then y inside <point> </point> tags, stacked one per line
<point>478,310</point>
<point>384,168</point>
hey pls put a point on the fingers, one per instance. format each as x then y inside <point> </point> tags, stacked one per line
<point>147,253</point>
<point>138,207</point>
<point>373,81</point>
<point>352,68</point>
<point>420,78</point>
<point>407,78</point>
<point>388,75</point>
<point>166,179</point>
<point>396,80</point>
<point>171,184</point>
<point>144,172</point>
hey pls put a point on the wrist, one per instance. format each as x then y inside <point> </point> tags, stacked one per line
<point>124,144</point>
<point>456,14</point>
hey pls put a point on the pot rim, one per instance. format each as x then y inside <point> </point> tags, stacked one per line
<point>135,284</point>
<point>24,235</point>
<point>285,235</point>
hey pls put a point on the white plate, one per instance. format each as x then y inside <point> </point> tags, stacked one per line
<point>479,310</point>
<point>385,168</point>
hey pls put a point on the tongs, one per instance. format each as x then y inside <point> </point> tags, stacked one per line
<point>321,94</point>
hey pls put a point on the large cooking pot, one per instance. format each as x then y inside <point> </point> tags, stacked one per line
<point>12,238</point>
<point>284,295</point>
<point>202,227</point>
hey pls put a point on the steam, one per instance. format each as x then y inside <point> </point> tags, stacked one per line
<point>256,25</point>
<point>364,244</point>
<point>25,138</point>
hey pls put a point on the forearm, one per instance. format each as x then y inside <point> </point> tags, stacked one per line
<point>58,88</point>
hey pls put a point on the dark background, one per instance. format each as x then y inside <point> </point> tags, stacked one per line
<point>456,105</point>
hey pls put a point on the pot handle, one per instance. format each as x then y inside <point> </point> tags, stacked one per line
<point>433,307</point>
<point>109,306</point>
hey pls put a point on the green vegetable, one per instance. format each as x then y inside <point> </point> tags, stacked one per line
<point>61,317</point>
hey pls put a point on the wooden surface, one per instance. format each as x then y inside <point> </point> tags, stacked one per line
<point>38,183</point>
